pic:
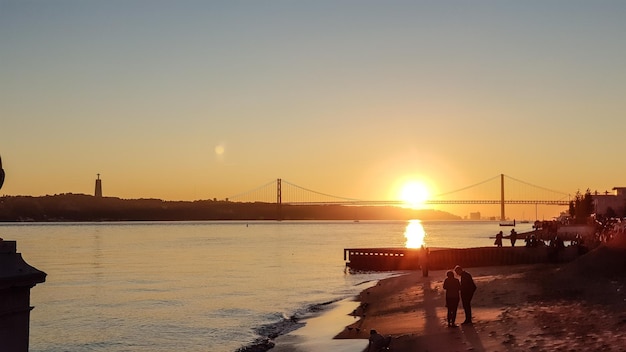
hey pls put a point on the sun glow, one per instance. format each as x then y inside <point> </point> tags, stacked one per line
<point>414,234</point>
<point>414,194</point>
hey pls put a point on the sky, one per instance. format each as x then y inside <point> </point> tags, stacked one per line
<point>190,99</point>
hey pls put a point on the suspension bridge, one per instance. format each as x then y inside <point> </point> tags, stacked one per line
<point>490,191</point>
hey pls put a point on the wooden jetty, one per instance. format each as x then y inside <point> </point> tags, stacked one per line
<point>393,259</point>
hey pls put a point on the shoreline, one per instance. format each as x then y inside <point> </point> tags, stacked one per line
<point>318,332</point>
<point>525,307</point>
<point>574,306</point>
<point>312,328</point>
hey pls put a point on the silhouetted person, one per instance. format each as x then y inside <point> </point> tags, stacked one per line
<point>452,286</point>
<point>498,241</point>
<point>378,342</point>
<point>580,244</point>
<point>560,245</point>
<point>468,287</point>
<point>513,237</point>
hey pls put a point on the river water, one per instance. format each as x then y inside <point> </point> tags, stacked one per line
<point>201,286</point>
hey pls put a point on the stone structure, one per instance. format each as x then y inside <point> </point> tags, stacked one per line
<point>1,173</point>
<point>16,280</point>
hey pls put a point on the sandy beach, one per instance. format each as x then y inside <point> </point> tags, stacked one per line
<point>575,306</point>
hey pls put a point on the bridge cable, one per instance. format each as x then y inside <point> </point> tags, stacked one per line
<point>319,193</point>
<point>464,188</point>
<point>543,188</point>
<point>252,190</point>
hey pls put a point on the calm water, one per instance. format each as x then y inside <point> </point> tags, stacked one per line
<point>199,286</point>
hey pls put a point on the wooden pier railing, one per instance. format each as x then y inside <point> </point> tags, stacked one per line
<point>382,259</point>
<point>391,259</point>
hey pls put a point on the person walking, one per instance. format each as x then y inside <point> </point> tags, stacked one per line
<point>498,241</point>
<point>513,237</point>
<point>468,287</point>
<point>452,286</point>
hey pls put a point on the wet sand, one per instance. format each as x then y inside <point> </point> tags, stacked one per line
<point>576,306</point>
<point>317,334</point>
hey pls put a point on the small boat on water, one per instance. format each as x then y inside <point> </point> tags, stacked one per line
<point>507,223</point>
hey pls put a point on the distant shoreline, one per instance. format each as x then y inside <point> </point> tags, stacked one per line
<point>85,208</point>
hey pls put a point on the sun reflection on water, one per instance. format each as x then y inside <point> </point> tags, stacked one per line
<point>414,234</point>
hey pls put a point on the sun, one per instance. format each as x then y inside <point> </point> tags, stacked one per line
<point>414,194</point>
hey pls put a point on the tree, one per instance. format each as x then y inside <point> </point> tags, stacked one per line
<point>582,207</point>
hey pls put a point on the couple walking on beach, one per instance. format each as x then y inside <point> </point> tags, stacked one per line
<point>455,290</point>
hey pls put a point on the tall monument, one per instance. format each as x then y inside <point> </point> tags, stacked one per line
<point>16,280</point>
<point>98,192</point>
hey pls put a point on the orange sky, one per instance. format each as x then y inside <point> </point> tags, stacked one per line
<point>193,100</point>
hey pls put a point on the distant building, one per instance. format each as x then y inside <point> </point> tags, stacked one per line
<point>475,216</point>
<point>615,200</point>
<point>98,192</point>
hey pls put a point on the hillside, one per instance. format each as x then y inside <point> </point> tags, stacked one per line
<point>81,207</point>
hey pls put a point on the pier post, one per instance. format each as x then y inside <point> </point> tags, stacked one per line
<point>424,253</point>
<point>16,280</point>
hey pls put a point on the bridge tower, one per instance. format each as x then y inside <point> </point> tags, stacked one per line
<point>502,216</point>
<point>279,200</point>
